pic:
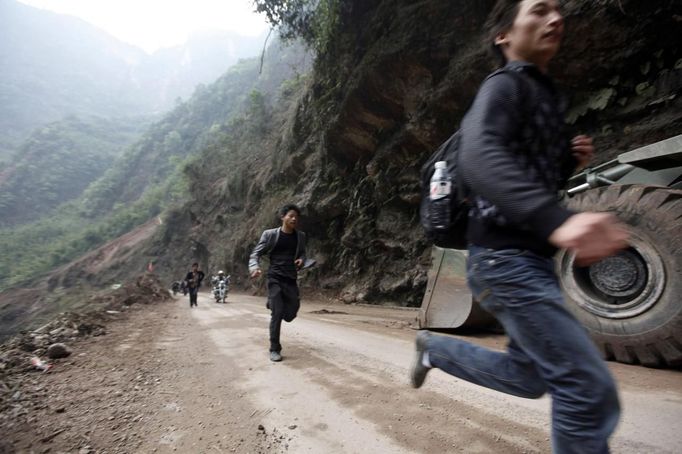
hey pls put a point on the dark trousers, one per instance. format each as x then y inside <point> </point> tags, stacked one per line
<point>193,296</point>
<point>549,351</point>
<point>284,302</point>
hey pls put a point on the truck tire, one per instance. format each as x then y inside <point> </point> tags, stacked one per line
<point>631,303</point>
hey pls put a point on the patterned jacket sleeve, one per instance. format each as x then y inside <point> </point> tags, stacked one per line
<point>491,170</point>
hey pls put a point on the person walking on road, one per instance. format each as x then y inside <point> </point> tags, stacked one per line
<point>286,247</point>
<point>514,157</point>
<point>193,279</point>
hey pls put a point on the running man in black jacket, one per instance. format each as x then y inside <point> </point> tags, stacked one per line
<point>515,157</point>
<point>286,247</point>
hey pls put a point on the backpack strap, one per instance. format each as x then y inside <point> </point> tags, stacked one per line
<point>526,89</point>
<point>527,93</point>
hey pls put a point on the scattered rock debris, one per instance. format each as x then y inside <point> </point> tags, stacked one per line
<point>24,396</point>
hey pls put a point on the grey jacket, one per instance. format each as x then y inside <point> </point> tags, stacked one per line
<point>266,244</point>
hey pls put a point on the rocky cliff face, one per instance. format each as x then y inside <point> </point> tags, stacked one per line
<point>394,84</point>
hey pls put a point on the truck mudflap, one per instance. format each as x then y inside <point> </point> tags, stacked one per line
<point>447,301</point>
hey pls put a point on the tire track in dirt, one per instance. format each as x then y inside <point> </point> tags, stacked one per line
<point>354,403</point>
<point>345,361</point>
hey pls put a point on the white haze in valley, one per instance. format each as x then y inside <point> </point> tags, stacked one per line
<point>154,24</point>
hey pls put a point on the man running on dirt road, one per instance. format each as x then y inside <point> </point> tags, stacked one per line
<point>514,157</point>
<point>286,247</point>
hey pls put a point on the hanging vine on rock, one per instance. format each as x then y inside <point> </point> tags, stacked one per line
<point>312,21</point>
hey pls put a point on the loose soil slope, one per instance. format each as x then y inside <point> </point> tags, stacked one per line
<point>70,287</point>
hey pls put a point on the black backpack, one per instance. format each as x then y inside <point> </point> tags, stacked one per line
<point>452,236</point>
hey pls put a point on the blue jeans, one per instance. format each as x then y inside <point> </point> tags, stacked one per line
<point>548,351</point>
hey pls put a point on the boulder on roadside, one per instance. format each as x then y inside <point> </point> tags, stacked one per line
<point>58,350</point>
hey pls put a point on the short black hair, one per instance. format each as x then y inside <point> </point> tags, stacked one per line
<point>288,207</point>
<point>195,264</point>
<point>500,20</point>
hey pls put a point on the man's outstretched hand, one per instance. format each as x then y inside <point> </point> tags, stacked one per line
<point>298,263</point>
<point>591,236</point>
<point>256,273</point>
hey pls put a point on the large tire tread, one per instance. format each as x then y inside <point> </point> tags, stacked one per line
<point>658,211</point>
<point>624,354</point>
<point>671,351</point>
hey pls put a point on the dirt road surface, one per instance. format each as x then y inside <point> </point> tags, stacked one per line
<point>175,379</point>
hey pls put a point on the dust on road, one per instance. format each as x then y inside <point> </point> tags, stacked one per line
<point>200,381</point>
<point>342,387</point>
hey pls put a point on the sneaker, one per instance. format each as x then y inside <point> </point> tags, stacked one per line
<point>275,357</point>
<point>419,370</point>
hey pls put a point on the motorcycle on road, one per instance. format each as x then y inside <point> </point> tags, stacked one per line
<point>176,287</point>
<point>220,289</point>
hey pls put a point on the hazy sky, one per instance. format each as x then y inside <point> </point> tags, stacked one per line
<point>151,24</point>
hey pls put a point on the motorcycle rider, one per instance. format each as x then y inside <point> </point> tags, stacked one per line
<point>176,286</point>
<point>216,280</point>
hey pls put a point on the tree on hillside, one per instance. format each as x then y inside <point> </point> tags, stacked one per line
<point>312,21</point>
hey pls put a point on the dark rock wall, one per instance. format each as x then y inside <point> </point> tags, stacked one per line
<point>393,85</point>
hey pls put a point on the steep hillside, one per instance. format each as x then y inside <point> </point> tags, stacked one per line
<point>148,177</point>
<point>191,127</point>
<point>55,65</point>
<point>69,287</point>
<point>175,72</point>
<point>393,82</point>
<point>58,161</point>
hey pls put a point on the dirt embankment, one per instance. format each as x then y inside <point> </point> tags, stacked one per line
<point>71,287</point>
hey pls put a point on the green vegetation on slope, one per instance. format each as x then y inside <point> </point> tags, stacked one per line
<point>313,21</point>
<point>58,161</point>
<point>35,249</point>
<point>149,177</point>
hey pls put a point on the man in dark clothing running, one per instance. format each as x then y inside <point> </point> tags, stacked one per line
<point>286,247</point>
<point>515,156</point>
<point>193,279</point>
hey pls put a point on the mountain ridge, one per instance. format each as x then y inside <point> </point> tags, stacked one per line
<point>56,65</point>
